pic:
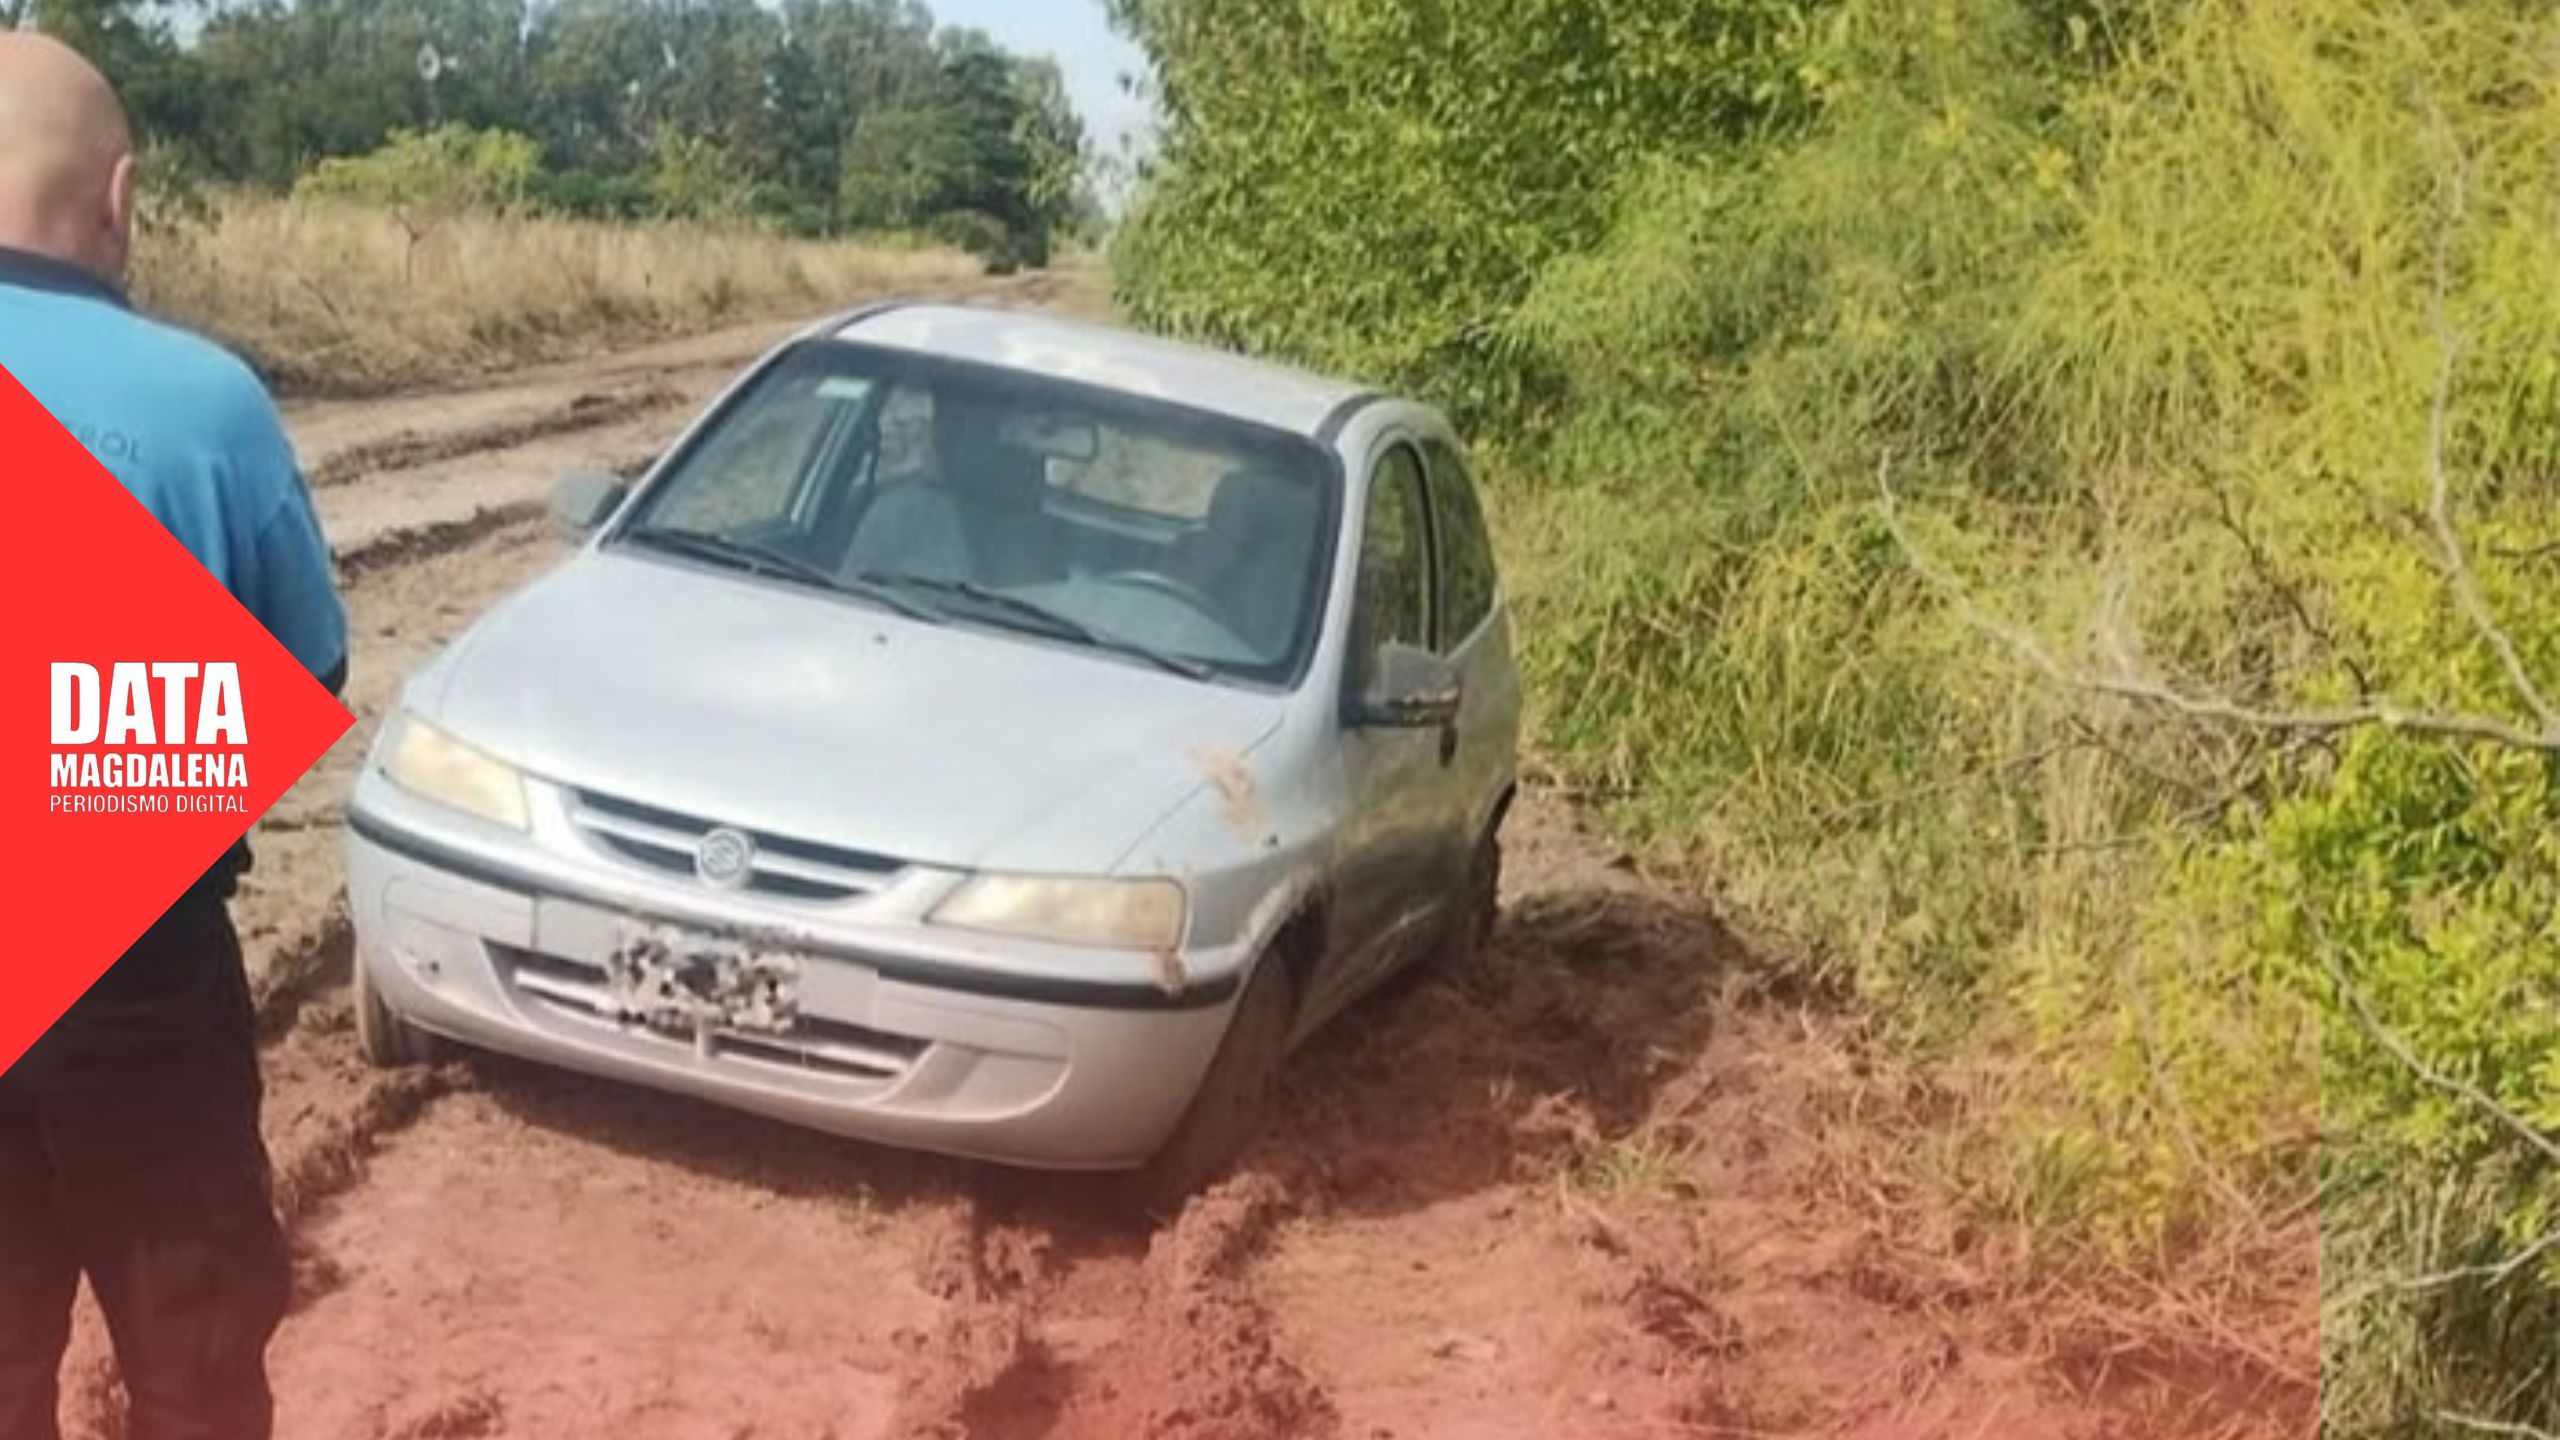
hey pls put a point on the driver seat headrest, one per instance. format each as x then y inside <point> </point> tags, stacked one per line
<point>1253,504</point>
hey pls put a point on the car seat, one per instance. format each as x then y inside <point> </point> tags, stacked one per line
<point>1255,555</point>
<point>1000,490</point>
<point>911,528</point>
<point>978,517</point>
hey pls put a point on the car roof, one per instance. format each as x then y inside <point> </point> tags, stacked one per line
<point>1106,355</point>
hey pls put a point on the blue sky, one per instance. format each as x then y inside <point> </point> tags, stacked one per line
<point>1079,36</point>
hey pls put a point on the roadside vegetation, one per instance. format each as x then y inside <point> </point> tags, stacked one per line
<point>2048,504</point>
<point>334,297</point>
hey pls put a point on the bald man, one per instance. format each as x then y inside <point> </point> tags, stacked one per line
<point>129,1147</point>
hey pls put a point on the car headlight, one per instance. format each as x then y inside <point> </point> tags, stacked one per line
<point>1110,914</point>
<point>430,763</point>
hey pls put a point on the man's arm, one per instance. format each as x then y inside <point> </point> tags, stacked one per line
<point>297,593</point>
<point>290,584</point>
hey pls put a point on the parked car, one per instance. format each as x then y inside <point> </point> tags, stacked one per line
<point>981,732</point>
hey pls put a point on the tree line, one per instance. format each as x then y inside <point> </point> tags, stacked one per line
<point>818,116</point>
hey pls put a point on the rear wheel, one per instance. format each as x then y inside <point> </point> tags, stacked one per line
<point>1233,1100</point>
<point>1479,904</point>
<point>388,1042</point>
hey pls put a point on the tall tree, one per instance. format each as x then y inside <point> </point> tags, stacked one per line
<point>132,41</point>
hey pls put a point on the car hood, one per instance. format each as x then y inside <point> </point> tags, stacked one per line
<point>823,718</point>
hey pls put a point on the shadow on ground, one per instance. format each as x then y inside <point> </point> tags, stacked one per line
<point>1555,1042</point>
<point>1444,1083</point>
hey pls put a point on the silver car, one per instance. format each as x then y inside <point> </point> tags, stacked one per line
<point>980,732</point>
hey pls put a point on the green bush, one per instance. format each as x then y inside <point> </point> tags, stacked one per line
<point>2142,311</point>
<point>692,178</point>
<point>1420,163</point>
<point>446,170</point>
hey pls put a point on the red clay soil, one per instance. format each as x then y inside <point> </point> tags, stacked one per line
<point>1584,1191</point>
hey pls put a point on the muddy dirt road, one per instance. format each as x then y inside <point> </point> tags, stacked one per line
<point>1592,1188</point>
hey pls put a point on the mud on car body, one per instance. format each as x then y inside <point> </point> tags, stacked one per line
<point>980,732</point>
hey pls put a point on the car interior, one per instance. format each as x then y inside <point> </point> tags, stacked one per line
<point>1200,549</point>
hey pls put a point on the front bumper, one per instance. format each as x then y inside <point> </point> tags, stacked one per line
<point>908,1035</point>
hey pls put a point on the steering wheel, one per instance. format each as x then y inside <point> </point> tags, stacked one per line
<point>1163,584</point>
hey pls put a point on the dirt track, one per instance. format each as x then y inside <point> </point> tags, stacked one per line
<point>1592,1189</point>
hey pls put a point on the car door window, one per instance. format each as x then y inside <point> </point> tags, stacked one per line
<point>1466,549</point>
<point>1393,601</point>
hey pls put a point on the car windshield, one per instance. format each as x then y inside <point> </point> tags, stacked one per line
<point>1085,516</point>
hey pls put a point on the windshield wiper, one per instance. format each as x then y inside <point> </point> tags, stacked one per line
<point>747,555</point>
<point>1030,614</point>
<point>723,550</point>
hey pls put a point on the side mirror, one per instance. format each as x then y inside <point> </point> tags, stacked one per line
<point>586,500</point>
<point>1408,689</point>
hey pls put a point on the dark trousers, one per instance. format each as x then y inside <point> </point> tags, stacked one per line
<point>129,1152</point>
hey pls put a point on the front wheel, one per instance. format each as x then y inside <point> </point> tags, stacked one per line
<point>1233,1100</point>
<point>388,1042</point>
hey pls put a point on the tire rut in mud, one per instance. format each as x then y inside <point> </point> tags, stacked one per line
<point>1067,1321</point>
<point>415,543</point>
<point>409,449</point>
<point>301,973</point>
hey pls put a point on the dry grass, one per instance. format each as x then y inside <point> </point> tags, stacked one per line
<point>335,299</point>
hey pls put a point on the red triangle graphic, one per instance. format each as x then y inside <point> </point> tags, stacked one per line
<point>90,577</point>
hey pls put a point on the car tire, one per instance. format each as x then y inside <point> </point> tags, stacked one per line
<point>388,1042</point>
<point>1479,906</point>
<point>1233,1100</point>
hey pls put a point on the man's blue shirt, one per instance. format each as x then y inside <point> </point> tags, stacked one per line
<point>191,432</point>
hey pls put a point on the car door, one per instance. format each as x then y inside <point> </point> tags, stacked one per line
<point>1473,633</point>
<point>1387,878</point>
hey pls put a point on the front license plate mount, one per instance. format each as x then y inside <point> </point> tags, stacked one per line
<point>682,983</point>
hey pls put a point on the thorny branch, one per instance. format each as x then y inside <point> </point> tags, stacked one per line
<point>2213,709</point>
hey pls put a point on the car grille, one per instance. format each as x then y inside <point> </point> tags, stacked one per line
<point>576,991</point>
<point>665,841</point>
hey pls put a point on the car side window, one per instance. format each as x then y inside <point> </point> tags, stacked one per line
<point>1467,579</point>
<point>1393,602</point>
